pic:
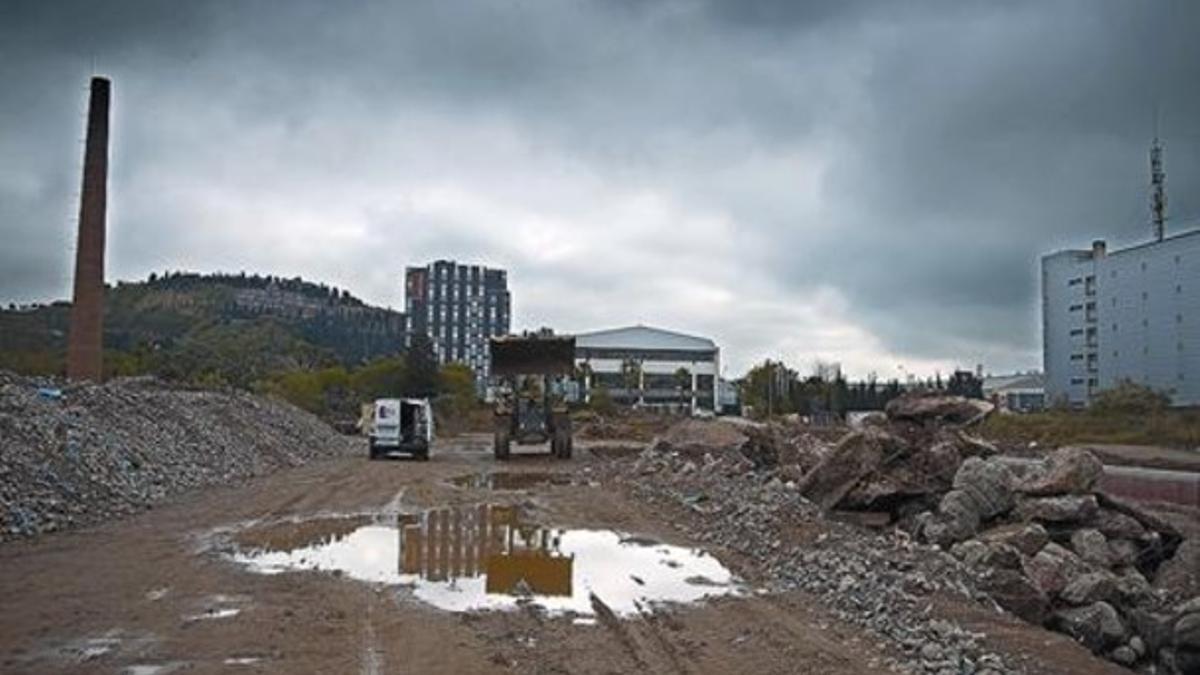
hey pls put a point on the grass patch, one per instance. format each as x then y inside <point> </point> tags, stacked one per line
<point>1166,428</point>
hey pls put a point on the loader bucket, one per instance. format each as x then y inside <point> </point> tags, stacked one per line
<point>529,355</point>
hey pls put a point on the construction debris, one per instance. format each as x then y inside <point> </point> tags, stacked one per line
<point>95,452</point>
<point>1039,540</point>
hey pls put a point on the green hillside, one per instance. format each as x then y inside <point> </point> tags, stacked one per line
<point>234,329</point>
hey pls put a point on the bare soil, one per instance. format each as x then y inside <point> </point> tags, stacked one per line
<point>153,590</point>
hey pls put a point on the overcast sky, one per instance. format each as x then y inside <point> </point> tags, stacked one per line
<point>863,182</point>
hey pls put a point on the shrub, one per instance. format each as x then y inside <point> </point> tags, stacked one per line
<point>1129,398</point>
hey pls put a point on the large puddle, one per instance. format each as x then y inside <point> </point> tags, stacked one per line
<point>485,557</point>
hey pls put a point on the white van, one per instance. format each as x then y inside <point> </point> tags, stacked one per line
<point>402,426</point>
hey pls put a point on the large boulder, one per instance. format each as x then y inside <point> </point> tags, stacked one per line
<point>853,458</point>
<point>1123,552</point>
<point>1053,568</point>
<point>982,491</point>
<point>988,483</point>
<point>1133,588</point>
<point>1180,576</point>
<point>1066,471</point>
<point>1092,546</point>
<point>970,446</point>
<point>949,409</point>
<point>1091,587</point>
<point>1117,525</point>
<point>987,555</point>
<point>926,472</point>
<point>1097,626</point>
<point>1016,593</point>
<point>1148,520</point>
<point>1154,627</point>
<point>1186,638</point>
<point>957,518</point>
<point>1063,509</point>
<point>1028,538</point>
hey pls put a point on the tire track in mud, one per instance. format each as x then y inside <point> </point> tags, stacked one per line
<point>372,656</point>
<point>653,625</point>
<point>605,616</point>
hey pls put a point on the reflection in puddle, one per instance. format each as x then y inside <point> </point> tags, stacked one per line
<point>505,480</point>
<point>485,557</point>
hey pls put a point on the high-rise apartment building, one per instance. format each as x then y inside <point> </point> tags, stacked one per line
<point>458,307</point>
<point>1130,314</point>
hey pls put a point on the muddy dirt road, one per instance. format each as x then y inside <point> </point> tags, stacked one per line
<point>352,566</point>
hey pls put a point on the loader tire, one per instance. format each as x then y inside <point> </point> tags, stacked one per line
<point>501,444</point>
<point>561,445</point>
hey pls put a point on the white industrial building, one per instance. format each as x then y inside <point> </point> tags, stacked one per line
<point>1019,392</point>
<point>650,367</point>
<point>1129,314</point>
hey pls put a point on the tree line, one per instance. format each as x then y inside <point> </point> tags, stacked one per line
<point>773,388</point>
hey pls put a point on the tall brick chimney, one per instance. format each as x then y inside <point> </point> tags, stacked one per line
<point>85,339</point>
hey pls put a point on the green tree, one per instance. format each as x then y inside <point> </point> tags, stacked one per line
<point>421,379</point>
<point>631,374</point>
<point>1129,398</point>
<point>770,388</point>
<point>380,378</point>
<point>601,401</point>
<point>683,384</point>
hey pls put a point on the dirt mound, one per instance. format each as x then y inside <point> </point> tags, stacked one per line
<point>83,453</point>
<point>703,436</point>
<point>626,425</point>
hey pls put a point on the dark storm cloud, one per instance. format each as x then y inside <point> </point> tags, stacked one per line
<point>869,181</point>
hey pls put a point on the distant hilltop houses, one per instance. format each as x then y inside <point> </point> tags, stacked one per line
<point>286,298</point>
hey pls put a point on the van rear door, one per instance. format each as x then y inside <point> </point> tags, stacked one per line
<point>387,422</point>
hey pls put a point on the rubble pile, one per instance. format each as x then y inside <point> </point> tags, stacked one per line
<point>1038,540</point>
<point>623,425</point>
<point>83,453</point>
<point>883,581</point>
<point>766,446</point>
<point>1054,551</point>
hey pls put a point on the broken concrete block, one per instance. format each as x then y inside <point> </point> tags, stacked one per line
<point>949,409</point>
<point>856,455</point>
<point>1063,509</point>
<point>989,484</point>
<point>1092,547</point>
<point>1091,587</point>
<point>1028,538</point>
<point>1066,471</point>
<point>1053,568</point>
<point>1016,593</point>
<point>1097,626</point>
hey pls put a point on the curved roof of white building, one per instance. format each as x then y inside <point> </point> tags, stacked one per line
<point>642,337</point>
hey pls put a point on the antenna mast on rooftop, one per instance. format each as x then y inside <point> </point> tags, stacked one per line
<point>1158,192</point>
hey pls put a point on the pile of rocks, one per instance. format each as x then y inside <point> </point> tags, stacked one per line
<point>1039,540</point>
<point>76,454</point>
<point>1054,551</point>
<point>767,446</point>
<point>881,581</point>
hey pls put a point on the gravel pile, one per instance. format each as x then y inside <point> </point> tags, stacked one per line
<point>82,453</point>
<point>882,582</point>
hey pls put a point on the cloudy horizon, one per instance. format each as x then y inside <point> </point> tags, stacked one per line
<point>855,182</point>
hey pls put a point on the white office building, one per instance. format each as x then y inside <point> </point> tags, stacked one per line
<point>1130,314</point>
<point>650,367</point>
<point>458,307</point>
